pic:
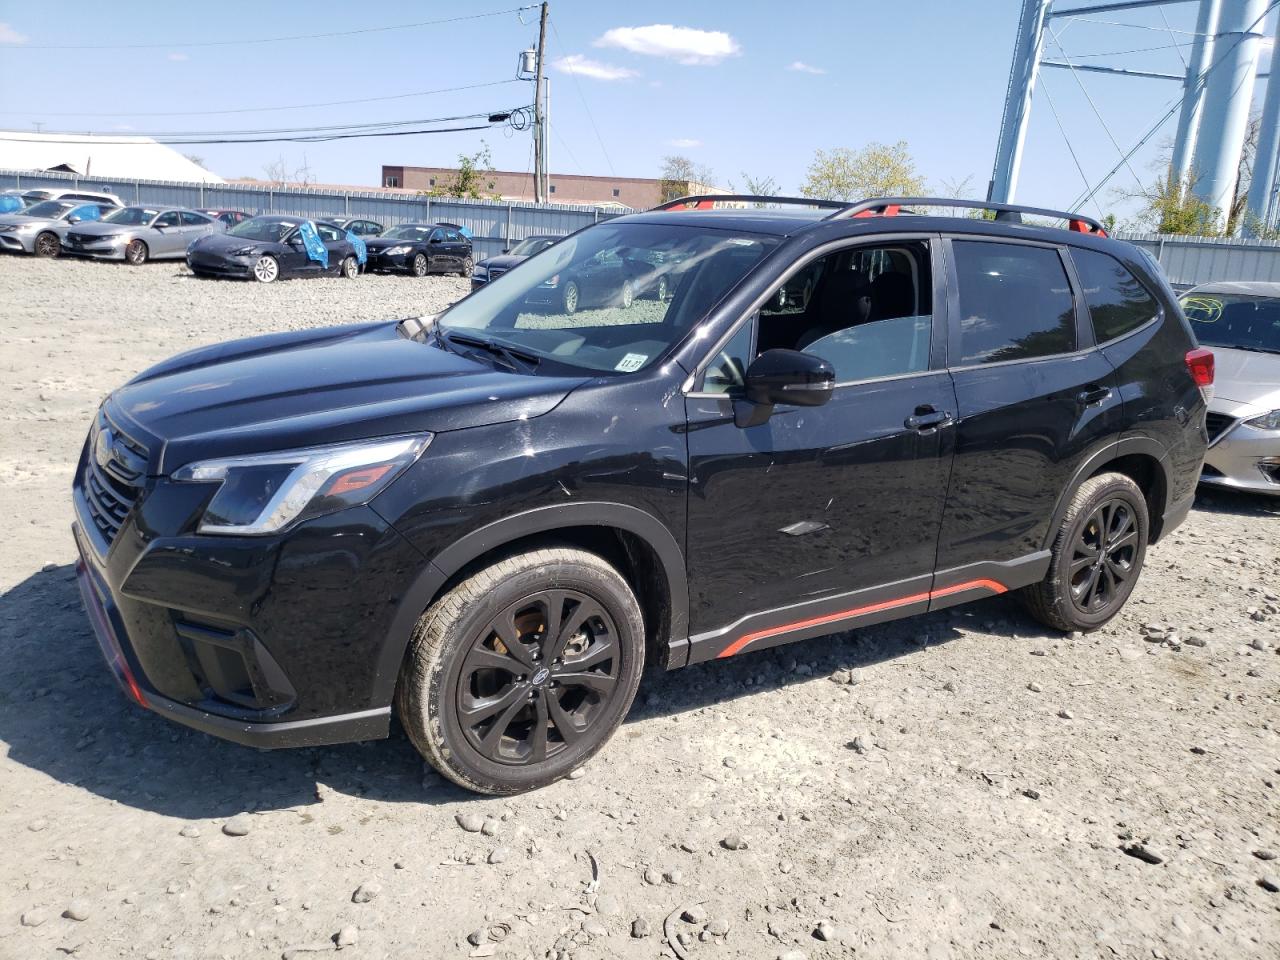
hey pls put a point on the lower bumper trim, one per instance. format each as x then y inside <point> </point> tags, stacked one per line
<point>372,724</point>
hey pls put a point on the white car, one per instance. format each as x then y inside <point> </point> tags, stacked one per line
<point>89,196</point>
<point>39,228</point>
<point>1240,323</point>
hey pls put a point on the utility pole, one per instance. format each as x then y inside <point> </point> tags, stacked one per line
<point>539,136</point>
<point>1017,105</point>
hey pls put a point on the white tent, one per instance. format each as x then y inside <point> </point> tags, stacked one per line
<point>105,157</point>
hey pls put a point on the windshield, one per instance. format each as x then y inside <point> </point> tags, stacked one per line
<point>132,216</point>
<point>50,209</point>
<point>1231,320</point>
<point>409,231</point>
<point>527,248</point>
<point>613,297</point>
<point>268,229</point>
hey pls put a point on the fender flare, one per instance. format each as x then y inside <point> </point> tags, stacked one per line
<point>1111,450</point>
<point>539,520</point>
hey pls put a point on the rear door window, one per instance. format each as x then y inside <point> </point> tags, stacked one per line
<point>1015,303</point>
<point>193,219</point>
<point>1118,302</point>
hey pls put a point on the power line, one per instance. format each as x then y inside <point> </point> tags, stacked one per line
<point>323,138</point>
<point>296,106</point>
<point>1070,147</point>
<point>261,40</point>
<point>585,106</point>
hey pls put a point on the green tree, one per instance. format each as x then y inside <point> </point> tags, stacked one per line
<point>1171,207</point>
<point>473,178</point>
<point>680,176</point>
<point>759,186</point>
<point>877,170</point>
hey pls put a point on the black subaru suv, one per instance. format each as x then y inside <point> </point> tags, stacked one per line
<point>495,517</point>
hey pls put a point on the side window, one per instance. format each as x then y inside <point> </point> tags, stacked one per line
<point>193,220</point>
<point>867,310</point>
<point>169,219</point>
<point>455,236</point>
<point>1015,302</point>
<point>726,371</point>
<point>437,236</point>
<point>1117,300</point>
<point>329,233</point>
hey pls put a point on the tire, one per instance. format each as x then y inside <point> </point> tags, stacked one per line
<point>660,289</point>
<point>47,245</point>
<point>1086,597</point>
<point>571,297</point>
<point>136,253</point>
<point>266,269</point>
<point>349,268</point>
<point>420,266</point>
<point>468,267</point>
<point>455,659</point>
<point>628,295</point>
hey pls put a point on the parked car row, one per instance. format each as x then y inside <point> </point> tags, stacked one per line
<point>226,243</point>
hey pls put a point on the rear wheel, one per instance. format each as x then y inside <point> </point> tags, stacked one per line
<point>660,289</point>
<point>47,244</point>
<point>266,269</point>
<point>1096,557</point>
<point>468,267</point>
<point>136,253</point>
<point>350,268</point>
<point>628,295</point>
<point>523,671</point>
<point>419,266</point>
<point>571,296</point>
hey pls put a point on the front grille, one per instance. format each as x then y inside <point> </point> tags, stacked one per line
<point>1217,424</point>
<point>496,272</point>
<point>81,239</point>
<point>114,471</point>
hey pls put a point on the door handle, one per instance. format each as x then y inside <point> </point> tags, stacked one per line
<point>926,419</point>
<point>1092,394</point>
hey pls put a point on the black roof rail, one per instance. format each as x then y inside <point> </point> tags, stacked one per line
<point>705,201</point>
<point>1005,212</point>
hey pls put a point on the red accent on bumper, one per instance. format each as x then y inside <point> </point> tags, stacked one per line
<point>106,635</point>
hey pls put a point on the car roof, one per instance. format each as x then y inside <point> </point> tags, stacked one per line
<point>1247,288</point>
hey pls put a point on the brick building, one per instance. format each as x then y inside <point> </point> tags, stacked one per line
<point>635,192</point>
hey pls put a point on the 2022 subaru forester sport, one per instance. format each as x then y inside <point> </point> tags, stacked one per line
<point>492,519</point>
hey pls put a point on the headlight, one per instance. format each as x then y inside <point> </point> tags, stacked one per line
<point>267,492</point>
<point>480,270</point>
<point>28,227</point>
<point>1268,421</point>
<point>244,252</point>
<point>397,251</point>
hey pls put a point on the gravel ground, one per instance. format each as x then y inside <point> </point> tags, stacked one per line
<point>960,785</point>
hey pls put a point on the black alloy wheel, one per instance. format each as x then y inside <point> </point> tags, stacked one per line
<point>47,244</point>
<point>538,676</point>
<point>1103,555</point>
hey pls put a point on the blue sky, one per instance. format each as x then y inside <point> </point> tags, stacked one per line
<point>757,88</point>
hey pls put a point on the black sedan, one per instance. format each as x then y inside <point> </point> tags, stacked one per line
<point>612,278</point>
<point>268,248</point>
<point>491,268</point>
<point>420,249</point>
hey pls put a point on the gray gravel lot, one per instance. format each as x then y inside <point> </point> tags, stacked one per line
<point>960,785</point>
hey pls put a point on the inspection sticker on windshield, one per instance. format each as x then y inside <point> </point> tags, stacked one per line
<point>632,361</point>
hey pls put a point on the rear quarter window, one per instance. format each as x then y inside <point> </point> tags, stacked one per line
<point>1117,300</point>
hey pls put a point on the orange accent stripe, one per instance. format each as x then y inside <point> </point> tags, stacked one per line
<point>743,641</point>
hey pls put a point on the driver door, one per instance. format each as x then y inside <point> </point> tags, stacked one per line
<point>824,518</point>
<point>294,259</point>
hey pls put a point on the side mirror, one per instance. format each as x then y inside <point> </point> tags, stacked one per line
<point>435,240</point>
<point>74,219</point>
<point>783,376</point>
<point>295,242</point>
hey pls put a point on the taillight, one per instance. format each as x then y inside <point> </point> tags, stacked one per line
<point>1200,366</point>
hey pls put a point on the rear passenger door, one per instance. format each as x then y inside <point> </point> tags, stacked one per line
<point>1034,397</point>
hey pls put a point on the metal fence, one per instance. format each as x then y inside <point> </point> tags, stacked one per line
<point>495,224</point>
<point>1188,261</point>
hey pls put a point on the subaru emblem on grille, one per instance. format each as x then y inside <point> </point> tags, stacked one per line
<point>102,447</point>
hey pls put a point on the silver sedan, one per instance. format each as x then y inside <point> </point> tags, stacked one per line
<point>40,227</point>
<point>1240,323</point>
<point>141,233</point>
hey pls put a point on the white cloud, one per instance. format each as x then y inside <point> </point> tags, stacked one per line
<point>10,35</point>
<point>685,142</point>
<point>178,57</point>
<point>585,67</point>
<point>683,44</point>
<point>799,66</point>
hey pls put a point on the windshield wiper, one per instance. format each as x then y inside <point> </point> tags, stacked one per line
<point>515,358</point>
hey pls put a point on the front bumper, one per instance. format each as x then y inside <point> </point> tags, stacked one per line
<point>209,265</point>
<point>1243,457</point>
<point>381,261</point>
<point>267,641</point>
<point>18,242</point>
<point>108,248</point>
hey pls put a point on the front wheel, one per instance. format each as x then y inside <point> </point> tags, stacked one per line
<point>571,295</point>
<point>136,253</point>
<point>419,266</point>
<point>1096,558</point>
<point>266,269</point>
<point>350,268</point>
<point>523,671</point>
<point>47,244</point>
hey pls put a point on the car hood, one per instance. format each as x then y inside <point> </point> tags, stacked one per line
<point>1246,376</point>
<point>17,219</point>
<point>99,228</point>
<point>224,244</point>
<point>381,243</point>
<point>503,261</point>
<point>284,391</point>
